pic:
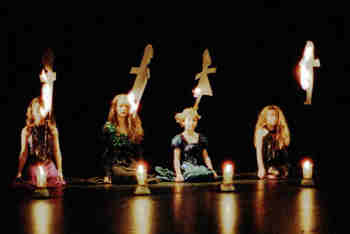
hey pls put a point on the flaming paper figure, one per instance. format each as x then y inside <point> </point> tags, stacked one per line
<point>143,74</point>
<point>306,65</point>
<point>47,77</point>
<point>203,87</point>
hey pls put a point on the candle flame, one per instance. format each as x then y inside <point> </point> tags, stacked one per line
<point>140,169</point>
<point>41,171</point>
<point>132,102</point>
<point>228,167</point>
<point>307,164</point>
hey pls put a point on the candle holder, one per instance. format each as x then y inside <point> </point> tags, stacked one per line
<point>227,183</point>
<point>307,166</point>
<point>141,176</point>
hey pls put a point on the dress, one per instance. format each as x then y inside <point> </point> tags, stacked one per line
<point>192,164</point>
<point>38,156</point>
<point>272,156</point>
<point>119,155</point>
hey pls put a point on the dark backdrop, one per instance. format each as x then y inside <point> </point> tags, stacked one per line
<point>255,54</point>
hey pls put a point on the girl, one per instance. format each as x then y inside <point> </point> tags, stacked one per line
<point>271,139</point>
<point>190,152</point>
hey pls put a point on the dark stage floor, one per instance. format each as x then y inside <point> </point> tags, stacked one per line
<point>258,206</point>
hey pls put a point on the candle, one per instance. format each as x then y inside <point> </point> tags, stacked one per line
<point>307,169</point>
<point>228,173</point>
<point>141,174</point>
<point>41,177</point>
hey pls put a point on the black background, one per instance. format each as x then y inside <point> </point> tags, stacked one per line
<point>255,50</point>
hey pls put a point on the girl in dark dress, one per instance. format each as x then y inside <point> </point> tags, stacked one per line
<point>271,139</point>
<point>40,147</point>
<point>122,135</point>
<point>191,159</point>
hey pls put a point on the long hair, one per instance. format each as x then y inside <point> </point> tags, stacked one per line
<point>189,111</point>
<point>39,147</point>
<point>134,125</point>
<point>282,130</point>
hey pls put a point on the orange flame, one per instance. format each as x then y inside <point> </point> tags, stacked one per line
<point>140,169</point>
<point>306,65</point>
<point>228,168</point>
<point>307,164</point>
<point>47,90</point>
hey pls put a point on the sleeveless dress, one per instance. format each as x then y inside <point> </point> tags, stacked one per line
<point>119,154</point>
<point>272,156</point>
<point>39,157</point>
<point>192,164</point>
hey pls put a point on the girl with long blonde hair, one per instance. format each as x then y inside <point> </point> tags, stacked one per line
<point>40,146</point>
<point>123,134</point>
<point>191,159</point>
<point>271,139</point>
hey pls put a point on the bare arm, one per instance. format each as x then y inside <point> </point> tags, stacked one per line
<point>177,155</point>
<point>208,161</point>
<point>24,152</point>
<point>259,157</point>
<point>57,151</point>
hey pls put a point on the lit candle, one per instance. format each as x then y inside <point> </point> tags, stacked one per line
<point>141,174</point>
<point>307,169</point>
<point>41,177</point>
<point>228,173</point>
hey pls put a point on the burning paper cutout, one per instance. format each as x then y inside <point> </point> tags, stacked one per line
<point>143,74</point>
<point>203,87</point>
<point>306,72</point>
<point>47,77</point>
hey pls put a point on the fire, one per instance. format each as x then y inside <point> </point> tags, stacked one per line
<point>141,174</point>
<point>228,168</point>
<point>47,100</point>
<point>305,77</point>
<point>307,164</point>
<point>132,101</point>
<point>41,171</point>
<point>306,65</point>
<point>197,92</point>
<point>140,169</point>
<point>47,90</point>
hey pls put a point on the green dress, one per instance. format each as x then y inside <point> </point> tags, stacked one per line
<point>120,152</point>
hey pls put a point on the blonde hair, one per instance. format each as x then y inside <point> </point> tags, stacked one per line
<point>134,128</point>
<point>187,112</point>
<point>282,130</point>
<point>39,148</point>
<point>30,116</point>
